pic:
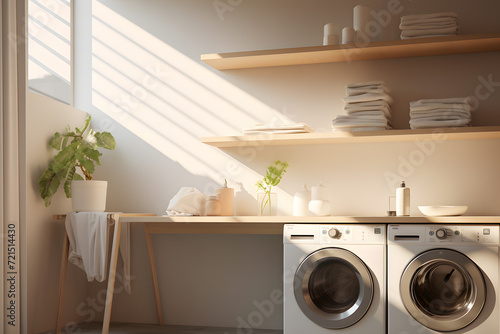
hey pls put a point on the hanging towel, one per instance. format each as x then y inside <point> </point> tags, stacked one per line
<point>88,236</point>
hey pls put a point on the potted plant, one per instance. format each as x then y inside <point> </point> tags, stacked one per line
<point>78,149</point>
<point>266,199</point>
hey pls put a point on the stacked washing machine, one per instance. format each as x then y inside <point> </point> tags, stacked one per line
<point>395,279</point>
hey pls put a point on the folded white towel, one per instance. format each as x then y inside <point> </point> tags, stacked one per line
<point>369,104</point>
<point>427,32</point>
<point>452,100</point>
<point>424,124</point>
<point>88,237</point>
<point>441,107</point>
<point>368,97</point>
<point>339,123</point>
<point>440,115</point>
<point>189,201</point>
<point>429,16</point>
<point>359,91</point>
<point>361,128</point>
<point>362,84</point>
<point>279,128</point>
<point>387,115</point>
<point>427,36</point>
<point>361,117</point>
<point>427,26</point>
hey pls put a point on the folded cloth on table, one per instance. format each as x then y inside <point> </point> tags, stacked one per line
<point>279,128</point>
<point>424,123</point>
<point>88,236</point>
<point>429,16</point>
<point>188,201</point>
<point>368,97</point>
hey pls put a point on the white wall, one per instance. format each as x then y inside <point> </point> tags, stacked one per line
<point>140,76</point>
<point>43,241</point>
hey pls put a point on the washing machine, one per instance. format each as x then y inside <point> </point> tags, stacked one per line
<point>334,279</point>
<point>442,279</point>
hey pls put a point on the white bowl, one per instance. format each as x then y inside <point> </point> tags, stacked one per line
<point>443,210</point>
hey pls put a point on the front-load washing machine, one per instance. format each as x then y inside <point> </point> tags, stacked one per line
<point>334,279</point>
<point>442,278</point>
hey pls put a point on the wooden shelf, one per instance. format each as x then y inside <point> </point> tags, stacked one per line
<point>439,134</point>
<point>351,52</point>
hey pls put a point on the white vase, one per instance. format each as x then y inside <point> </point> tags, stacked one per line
<point>89,195</point>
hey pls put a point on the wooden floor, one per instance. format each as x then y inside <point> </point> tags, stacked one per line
<point>123,328</point>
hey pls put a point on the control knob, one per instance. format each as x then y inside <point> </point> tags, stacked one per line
<point>334,233</point>
<point>441,234</point>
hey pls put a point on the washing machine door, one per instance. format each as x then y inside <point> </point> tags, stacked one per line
<point>443,290</point>
<point>333,288</point>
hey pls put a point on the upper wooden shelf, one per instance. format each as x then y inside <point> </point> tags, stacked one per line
<point>351,52</point>
<point>483,132</point>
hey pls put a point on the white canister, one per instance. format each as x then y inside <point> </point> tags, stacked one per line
<point>320,208</point>
<point>301,201</point>
<point>348,35</point>
<point>330,29</point>
<point>319,192</point>
<point>361,17</point>
<point>403,200</point>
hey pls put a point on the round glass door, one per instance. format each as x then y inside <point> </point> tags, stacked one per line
<point>443,289</point>
<point>333,288</point>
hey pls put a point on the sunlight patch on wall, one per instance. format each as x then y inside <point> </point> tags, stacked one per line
<point>163,96</point>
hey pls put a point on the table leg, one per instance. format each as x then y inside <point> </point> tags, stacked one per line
<point>112,276</point>
<point>62,281</point>
<point>152,267</point>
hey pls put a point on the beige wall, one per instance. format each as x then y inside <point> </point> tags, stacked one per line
<point>140,76</point>
<point>42,244</point>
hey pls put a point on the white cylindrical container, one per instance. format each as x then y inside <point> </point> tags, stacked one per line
<point>361,17</point>
<point>213,206</point>
<point>330,29</point>
<point>88,195</point>
<point>348,35</point>
<point>301,201</point>
<point>319,192</point>
<point>226,198</point>
<point>403,200</point>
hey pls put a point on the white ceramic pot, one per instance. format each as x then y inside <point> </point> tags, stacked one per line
<point>89,195</point>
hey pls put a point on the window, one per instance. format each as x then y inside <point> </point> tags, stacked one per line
<point>50,48</point>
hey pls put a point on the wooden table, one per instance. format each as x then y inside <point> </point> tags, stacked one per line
<point>224,225</point>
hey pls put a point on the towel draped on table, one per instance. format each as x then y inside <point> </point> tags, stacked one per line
<point>88,236</point>
<point>188,201</point>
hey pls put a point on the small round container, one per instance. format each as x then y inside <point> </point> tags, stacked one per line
<point>213,206</point>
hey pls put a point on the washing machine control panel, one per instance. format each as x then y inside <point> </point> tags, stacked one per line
<point>462,234</point>
<point>333,234</point>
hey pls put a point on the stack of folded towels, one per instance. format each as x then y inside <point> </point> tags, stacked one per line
<point>278,129</point>
<point>367,105</point>
<point>429,25</point>
<point>438,113</point>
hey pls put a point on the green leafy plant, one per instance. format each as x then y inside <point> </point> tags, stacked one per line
<point>77,149</point>
<point>273,177</point>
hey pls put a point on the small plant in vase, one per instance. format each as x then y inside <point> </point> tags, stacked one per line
<point>273,177</point>
<point>77,149</point>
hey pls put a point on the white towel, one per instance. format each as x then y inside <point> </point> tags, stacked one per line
<point>427,32</point>
<point>279,128</point>
<point>452,100</point>
<point>88,237</point>
<point>359,91</point>
<point>366,84</point>
<point>187,201</point>
<point>441,107</point>
<point>430,25</point>
<point>429,16</point>
<point>423,124</point>
<point>361,128</point>
<point>439,115</point>
<point>428,36</point>
<point>368,97</point>
<point>369,104</point>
